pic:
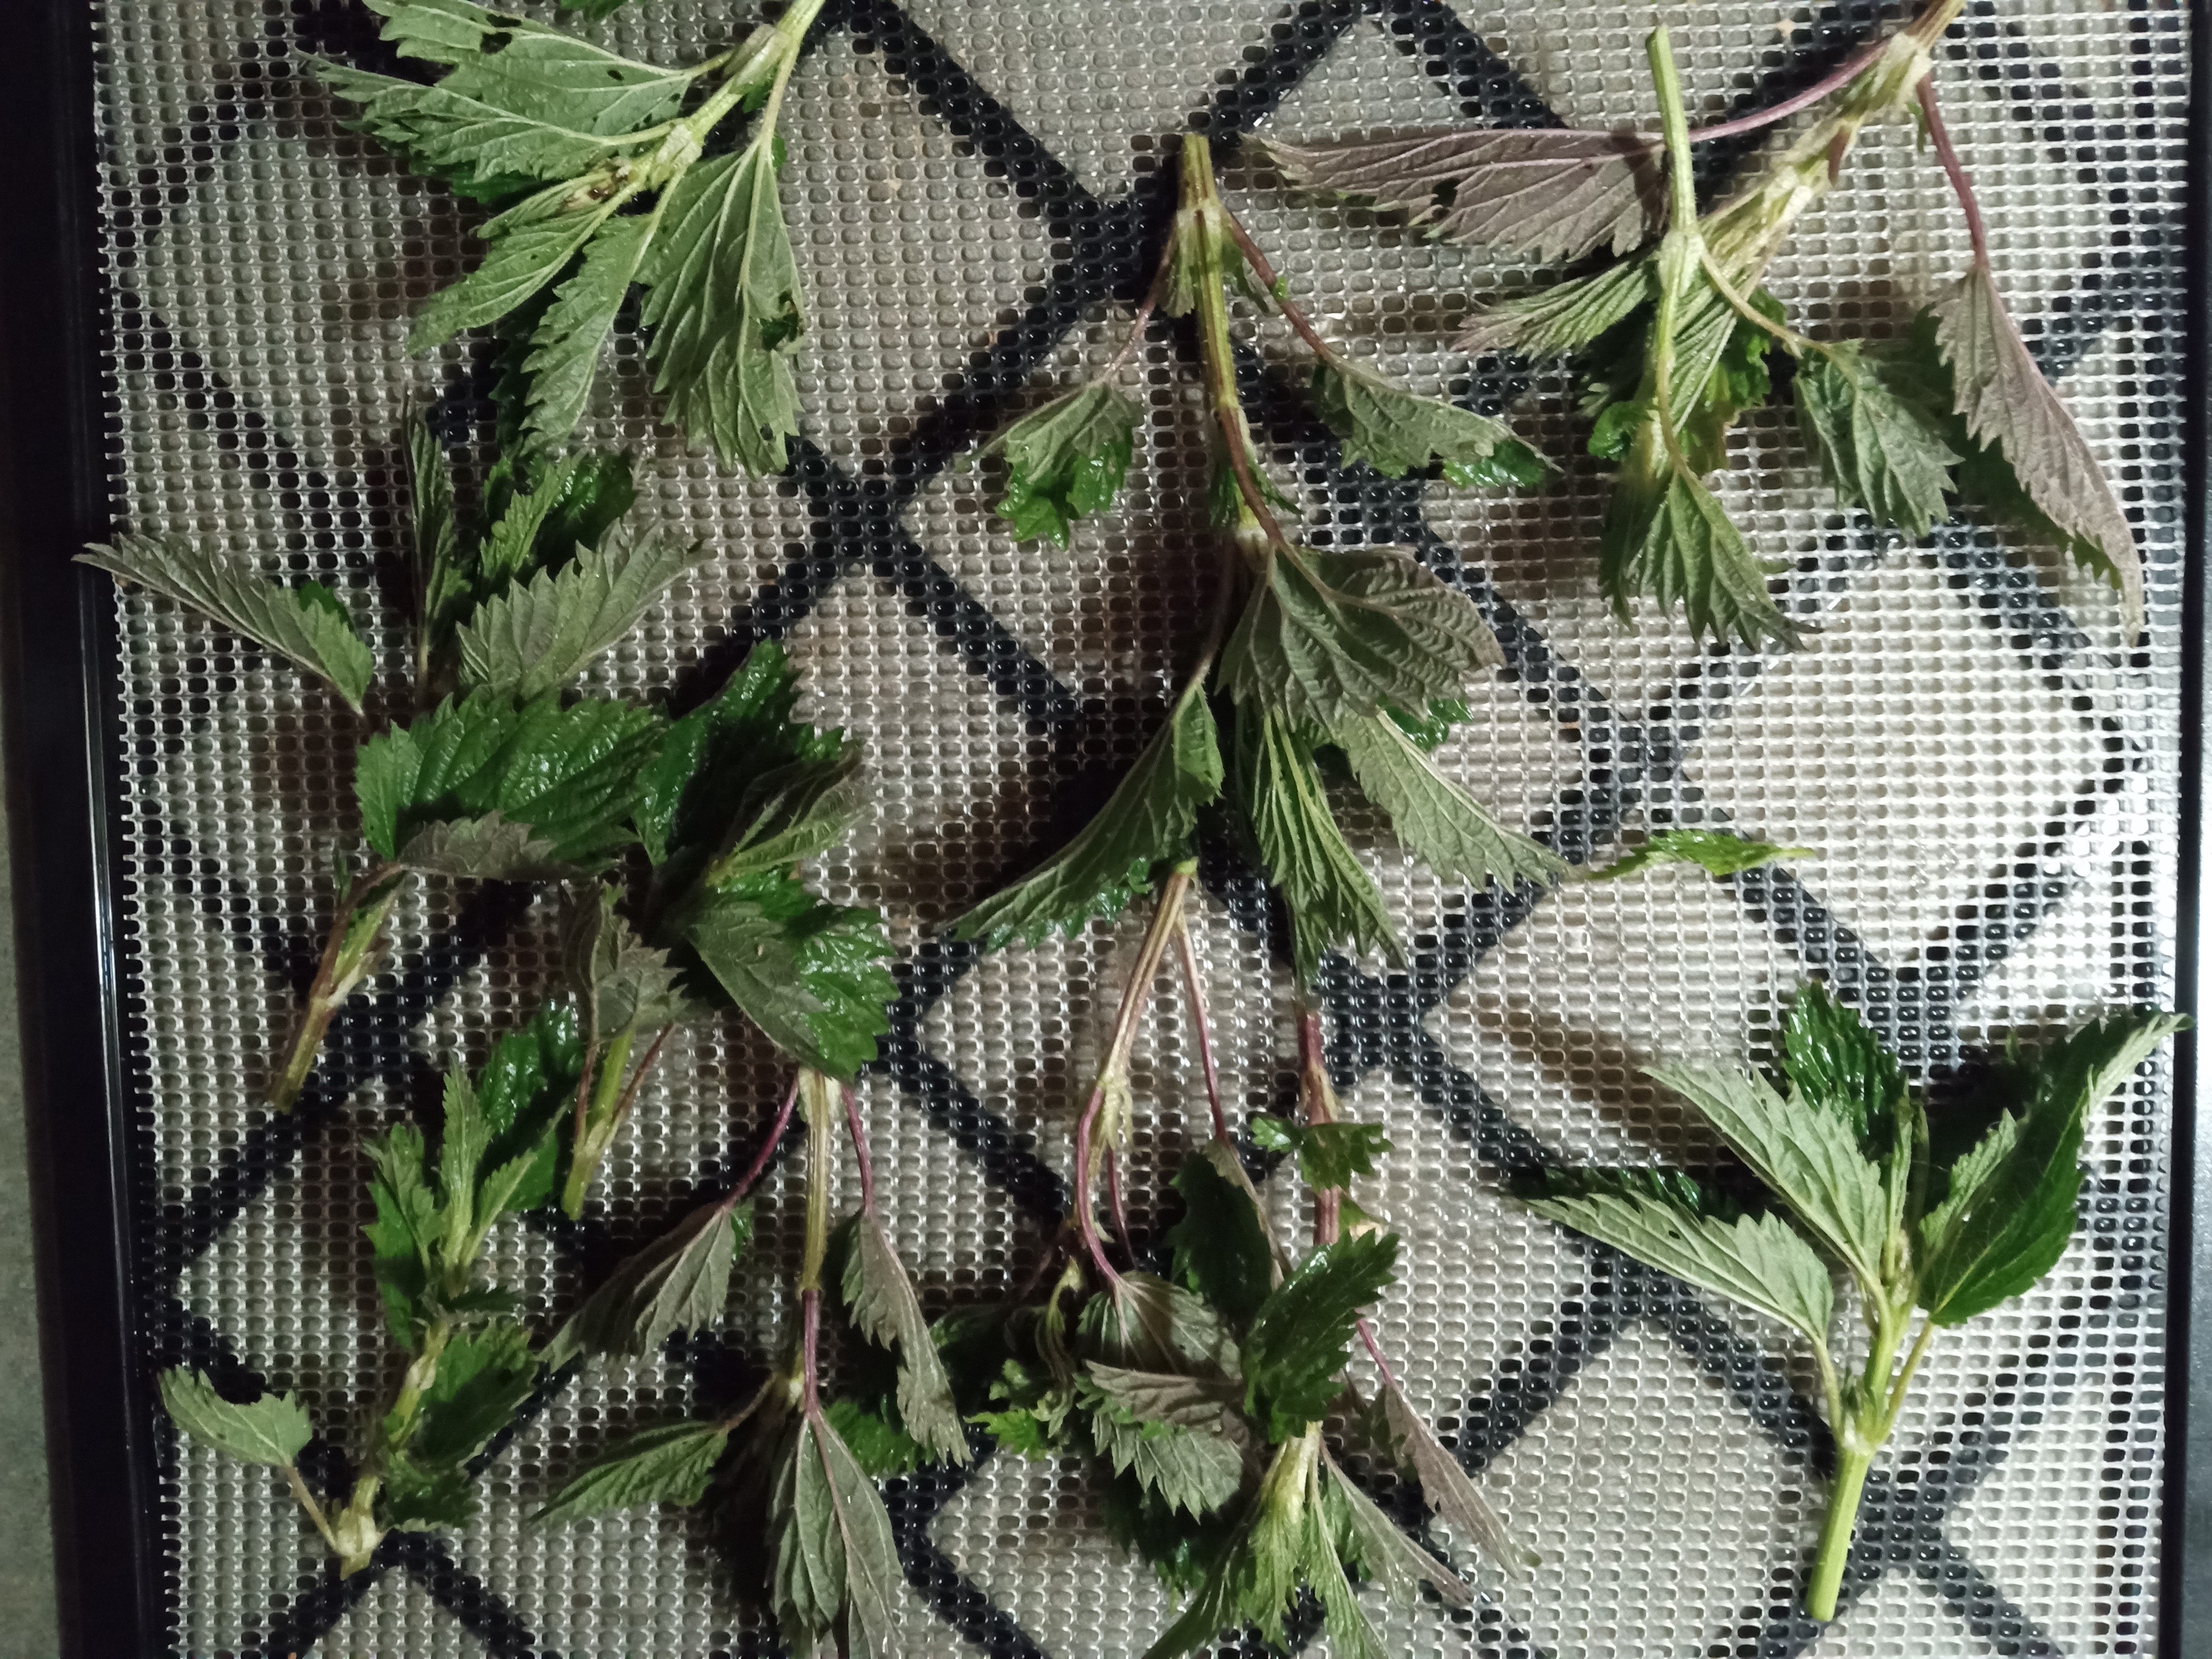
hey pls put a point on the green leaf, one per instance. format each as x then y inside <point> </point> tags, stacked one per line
<point>568,504</point>
<point>1170,1398</point>
<point>1666,537</point>
<point>416,1497</point>
<point>1834,1062</point>
<point>440,572</point>
<point>1300,1340</point>
<point>1555,193</point>
<point>1396,431</point>
<point>1328,636</point>
<point>1141,1322</point>
<point>881,1301</point>
<point>1332,900</point>
<point>808,973</point>
<point>1450,831</point>
<point>724,307</point>
<point>305,624</point>
<point>1807,1158</point>
<point>1562,316</point>
<point>836,1563</point>
<point>679,1282</point>
<point>1329,1154</point>
<point>524,66</point>
<point>1880,450</point>
<point>271,1430</point>
<point>524,1089</point>
<point>1446,1487</point>
<point>789,815</point>
<point>670,1464</point>
<point>880,1446</point>
<point>1191,1472</point>
<point>563,355</point>
<point>1146,823</point>
<point>402,1236</point>
<point>524,248</point>
<point>621,982</point>
<point>1220,1244</point>
<point>531,638</point>
<point>1716,852</point>
<point>1758,1261</point>
<point>1386,1552</point>
<point>1066,460</point>
<point>489,848</point>
<point>2008,405</point>
<point>692,797</point>
<point>2009,1210</point>
<point>568,773</point>
<point>482,1379</point>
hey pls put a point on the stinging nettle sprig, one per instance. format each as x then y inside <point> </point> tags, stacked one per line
<point>1946,1219</point>
<point>1671,340</point>
<point>599,168</point>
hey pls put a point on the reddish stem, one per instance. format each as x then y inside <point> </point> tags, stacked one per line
<point>1313,1087</point>
<point>1114,1207</point>
<point>1962,186</point>
<point>861,1153</point>
<point>1195,993</point>
<point>760,1163</point>
<point>637,1078</point>
<point>1374,1354</point>
<point>1145,309</point>
<point>1086,1224</point>
<point>1297,318</point>
<point>809,1346</point>
<point>1842,76</point>
<point>584,1088</point>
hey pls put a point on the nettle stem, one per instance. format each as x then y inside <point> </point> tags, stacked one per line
<point>351,954</point>
<point>1939,135</point>
<point>1319,1099</point>
<point>604,1102</point>
<point>1863,1412</point>
<point>819,1102</point>
<point>1113,1069</point>
<point>355,1533</point>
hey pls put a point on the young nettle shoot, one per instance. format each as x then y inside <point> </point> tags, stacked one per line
<point>1673,338</point>
<point>801,1501</point>
<point>1355,655</point>
<point>470,1366</point>
<point>598,168</point>
<point>1202,1395</point>
<point>1942,1219</point>
<point>500,777</point>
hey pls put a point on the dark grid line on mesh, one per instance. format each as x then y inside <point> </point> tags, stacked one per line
<point>1401,10</point>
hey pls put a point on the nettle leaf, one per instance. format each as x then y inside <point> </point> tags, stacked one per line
<point>1329,1154</point>
<point>1563,317</point>
<point>489,848</point>
<point>1066,460</point>
<point>1396,431</point>
<point>525,249</point>
<point>670,1464</point>
<point>622,981</point>
<point>1192,1472</point>
<point>1333,901</point>
<point>563,356</point>
<point>440,572</point>
<point>723,304</point>
<point>809,973</point>
<point>2009,1208</point>
<point>2008,405</point>
<point>1880,449</point>
<point>483,1378</point>
<point>1452,832</point>
<point>1556,192</point>
<point>1666,537</point>
<point>1833,1061</point>
<point>305,624</point>
<point>271,1430</point>
<point>836,1568</point>
<point>1146,823</point>
<point>1220,1244</point>
<point>679,1282</point>
<point>1446,1487</point>
<point>1300,1341</point>
<point>1144,1322</point>
<point>884,1308</point>
<point>523,1090</point>
<point>1808,1158</point>
<point>1715,852</point>
<point>401,1237</point>
<point>691,796</point>
<point>414,1498</point>
<point>1385,1550</point>
<point>1330,635</point>
<point>540,519</point>
<point>791,814</point>
<point>517,64</point>
<point>530,639</point>
<point>566,772</point>
<point>1169,1398</point>
<point>1758,1261</point>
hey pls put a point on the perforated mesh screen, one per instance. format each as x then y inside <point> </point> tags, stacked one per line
<point>972,188</point>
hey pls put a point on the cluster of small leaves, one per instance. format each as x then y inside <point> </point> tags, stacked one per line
<point>599,168</point>
<point>1958,416</point>
<point>1715,852</point>
<point>1842,1146</point>
<point>1337,654</point>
